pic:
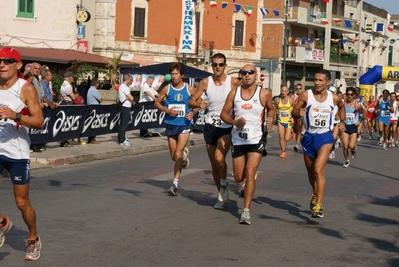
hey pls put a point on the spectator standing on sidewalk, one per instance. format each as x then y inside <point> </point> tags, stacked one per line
<point>67,97</point>
<point>248,136</point>
<point>35,70</point>
<point>125,97</point>
<point>93,98</point>
<point>148,94</point>
<point>19,110</point>
<point>48,95</point>
<point>177,119</point>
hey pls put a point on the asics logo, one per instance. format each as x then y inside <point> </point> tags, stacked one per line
<point>261,147</point>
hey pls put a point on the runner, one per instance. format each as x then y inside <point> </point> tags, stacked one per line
<point>217,134</point>
<point>248,135</point>
<point>336,121</point>
<point>394,120</point>
<point>284,107</point>
<point>369,122</point>
<point>383,111</point>
<point>298,123</point>
<point>316,106</point>
<point>353,110</point>
<point>362,101</point>
<point>177,119</point>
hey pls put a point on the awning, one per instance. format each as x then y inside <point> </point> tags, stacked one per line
<point>62,56</point>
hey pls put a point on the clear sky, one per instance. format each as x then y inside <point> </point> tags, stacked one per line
<point>392,6</point>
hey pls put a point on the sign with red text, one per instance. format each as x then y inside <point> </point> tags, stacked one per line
<point>83,46</point>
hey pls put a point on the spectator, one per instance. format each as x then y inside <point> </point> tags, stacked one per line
<point>35,70</point>
<point>93,98</point>
<point>127,101</point>
<point>15,151</point>
<point>66,90</point>
<point>148,95</point>
<point>48,96</point>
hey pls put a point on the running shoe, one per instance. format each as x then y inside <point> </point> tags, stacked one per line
<point>353,154</point>
<point>359,138</point>
<point>313,201</point>
<point>347,163</point>
<point>33,249</point>
<point>380,141</point>
<point>219,205</point>
<point>186,163</point>
<point>337,143</point>
<point>396,144</point>
<point>317,211</point>
<point>332,155</point>
<point>172,190</point>
<point>296,148</point>
<point>4,230</point>
<point>224,192</point>
<point>245,217</point>
<point>384,146</point>
<point>283,155</point>
<point>185,153</point>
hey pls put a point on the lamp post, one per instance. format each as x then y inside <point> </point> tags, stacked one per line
<point>284,81</point>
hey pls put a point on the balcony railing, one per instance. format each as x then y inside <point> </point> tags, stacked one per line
<point>343,57</point>
<point>344,23</point>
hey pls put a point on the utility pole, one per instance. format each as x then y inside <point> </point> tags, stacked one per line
<point>284,81</point>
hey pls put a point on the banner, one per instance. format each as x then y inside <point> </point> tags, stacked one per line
<point>67,122</point>
<point>314,55</point>
<point>188,37</point>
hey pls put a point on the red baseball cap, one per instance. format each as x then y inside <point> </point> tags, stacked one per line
<point>8,52</point>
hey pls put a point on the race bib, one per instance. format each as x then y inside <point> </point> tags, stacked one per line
<point>319,117</point>
<point>181,109</point>
<point>213,119</point>
<point>284,114</point>
<point>370,110</point>
<point>350,118</point>
<point>244,133</point>
<point>385,113</point>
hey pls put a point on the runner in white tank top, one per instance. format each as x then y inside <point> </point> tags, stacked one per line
<point>249,140</point>
<point>19,110</point>
<point>217,133</point>
<point>316,106</point>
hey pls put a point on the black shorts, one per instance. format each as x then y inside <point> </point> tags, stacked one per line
<point>350,129</point>
<point>239,150</point>
<point>212,134</point>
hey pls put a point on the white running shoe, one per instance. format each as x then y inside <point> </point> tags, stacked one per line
<point>347,164</point>
<point>332,155</point>
<point>384,146</point>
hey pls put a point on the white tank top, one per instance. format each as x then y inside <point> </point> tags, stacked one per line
<point>217,95</point>
<point>394,115</point>
<point>14,141</point>
<point>254,113</point>
<point>319,116</point>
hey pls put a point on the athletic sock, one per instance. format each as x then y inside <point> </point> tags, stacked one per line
<point>176,182</point>
<point>223,182</point>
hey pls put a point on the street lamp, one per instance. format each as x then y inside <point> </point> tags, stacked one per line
<point>284,82</point>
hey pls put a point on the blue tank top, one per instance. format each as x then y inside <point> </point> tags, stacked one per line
<point>178,98</point>
<point>352,114</point>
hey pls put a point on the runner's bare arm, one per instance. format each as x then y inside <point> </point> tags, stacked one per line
<point>228,105</point>
<point>300,107</point>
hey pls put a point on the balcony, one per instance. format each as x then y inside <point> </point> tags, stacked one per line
<point>343,57</point>
<point>344,23</point>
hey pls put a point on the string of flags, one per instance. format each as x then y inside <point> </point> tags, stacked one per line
<point>318,17</point>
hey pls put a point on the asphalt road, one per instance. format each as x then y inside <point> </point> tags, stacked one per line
<point>116,213</point>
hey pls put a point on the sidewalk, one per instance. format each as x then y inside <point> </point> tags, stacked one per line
<point>109,148</point>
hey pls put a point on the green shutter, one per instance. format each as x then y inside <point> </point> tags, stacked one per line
<point>26,8</point>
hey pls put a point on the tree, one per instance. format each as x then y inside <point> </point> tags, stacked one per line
<point>113,68</point>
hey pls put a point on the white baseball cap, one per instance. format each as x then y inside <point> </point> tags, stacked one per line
<point>332,89</point>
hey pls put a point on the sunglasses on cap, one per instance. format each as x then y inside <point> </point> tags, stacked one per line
<point>218,64</point>
<point>245,72</point>
<point>7,61</point>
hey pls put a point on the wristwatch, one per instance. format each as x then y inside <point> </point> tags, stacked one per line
<point>17,117</point>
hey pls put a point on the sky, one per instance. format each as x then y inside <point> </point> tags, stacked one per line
<point>392,6</point>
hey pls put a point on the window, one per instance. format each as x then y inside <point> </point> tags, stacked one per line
<point>239,33</point>
<point>139,22</point>
<point>25,8</point>
<point>390,56</point>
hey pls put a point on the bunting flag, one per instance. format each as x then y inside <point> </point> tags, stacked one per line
<point>224,4</point>
<point>303,41</point>
<point>249,11</point>
<point>194,1</point>
<point>276,12</point>
<point>296,42</point>
<point>264,11</point>
<point>380,27</point>
<point>369,27</point>
<point>288,14</point>
<point>325,1</point>
<point>324,21</point>
<point>337,20</point>
<point>390,27</point>
<point>348,23</point>
<point>335,41</point>
<point>312,16</point>
<point>357,23</point>
<point>213,3</point>
<point>237,7</point>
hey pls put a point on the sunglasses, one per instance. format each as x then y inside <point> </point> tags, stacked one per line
<point>350,94</point>
<point>7,61</point>
<point>218,64</point>
<point>245,72</point>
